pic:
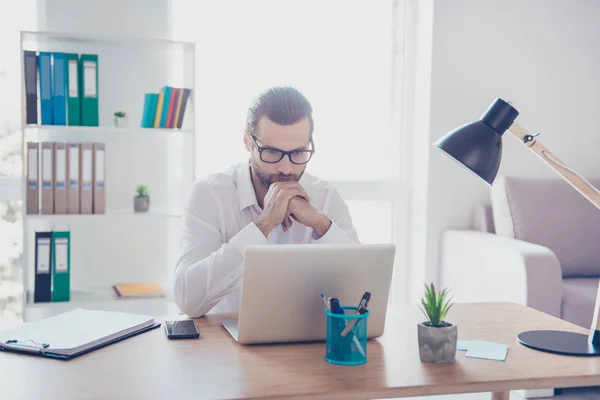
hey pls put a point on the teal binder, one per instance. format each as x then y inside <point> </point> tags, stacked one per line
<point>88,89</point>
<point>61,266</point>
<point>73,101</point>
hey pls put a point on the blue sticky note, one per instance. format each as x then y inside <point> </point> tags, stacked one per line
<point>462,345</point>
<point>486,350</point>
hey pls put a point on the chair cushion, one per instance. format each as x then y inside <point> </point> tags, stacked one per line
<point>551,213</point>
<point>579,298</point>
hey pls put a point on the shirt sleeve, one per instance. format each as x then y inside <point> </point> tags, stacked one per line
<point>342,229</point>
<point>208,269</point>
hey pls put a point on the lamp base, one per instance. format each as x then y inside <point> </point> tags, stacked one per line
<point>559,342</point>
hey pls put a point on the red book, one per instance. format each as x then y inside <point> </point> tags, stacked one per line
<point>175,93</point>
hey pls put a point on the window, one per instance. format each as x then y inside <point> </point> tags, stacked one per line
<point>340,54</point>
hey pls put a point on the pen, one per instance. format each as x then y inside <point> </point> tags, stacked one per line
<point>361,309</point>
<point>326,301</point>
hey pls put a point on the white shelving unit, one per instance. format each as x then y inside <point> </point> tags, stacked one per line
<point>120,245</point>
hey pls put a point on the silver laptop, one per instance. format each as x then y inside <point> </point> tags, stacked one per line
<point>282,285</point>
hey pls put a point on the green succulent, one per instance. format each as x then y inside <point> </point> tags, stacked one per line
<point>120,114</point>
<point>142,191</point>
<point>435,305</point>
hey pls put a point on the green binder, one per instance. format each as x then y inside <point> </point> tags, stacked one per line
<point>73,104</point>
<point>61,266</point>
<point>88,89</point>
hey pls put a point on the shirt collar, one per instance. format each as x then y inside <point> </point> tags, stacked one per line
<point>245,189</point>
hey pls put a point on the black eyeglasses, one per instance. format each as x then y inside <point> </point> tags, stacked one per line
<point>273,156</point>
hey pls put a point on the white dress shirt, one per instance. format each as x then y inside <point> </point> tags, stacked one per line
<point>218,224</point>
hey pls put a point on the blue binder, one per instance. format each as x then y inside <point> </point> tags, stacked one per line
<point>59,89</point>
<point>45,71</point>
<point>43,261</point>
<point>150,100</point>
<point>30,63</point>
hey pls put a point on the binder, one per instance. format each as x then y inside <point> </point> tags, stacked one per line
<point>60,178</point>
<point>88,89</point>
<point>85,172</point>
<point>99,190</point>
<point>47,181</point>
<point>61,266</point>
<point>43,258</point>
<point>30,62</point>
<point>33,182</point>
<point>44,67</point>
<point>59,89</point>
<point>165,112</point>
<point>178,108</point>
<point>171,113</point>
<point>150,100</point>
<point>73,187</point>
<point>186,95</point>
<point>73,105</point>
<point>159,110</point>
<point>74,333</point>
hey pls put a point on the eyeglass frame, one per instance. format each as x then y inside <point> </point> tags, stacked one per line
<point>283,153</point>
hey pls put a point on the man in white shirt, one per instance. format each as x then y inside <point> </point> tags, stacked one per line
<point>266,200</point>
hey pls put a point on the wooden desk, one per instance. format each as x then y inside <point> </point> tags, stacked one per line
<point>214,366</point>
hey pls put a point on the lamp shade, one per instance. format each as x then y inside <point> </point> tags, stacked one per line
<point>478,145</point>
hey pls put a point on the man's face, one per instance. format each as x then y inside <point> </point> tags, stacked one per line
<point>278,137</point>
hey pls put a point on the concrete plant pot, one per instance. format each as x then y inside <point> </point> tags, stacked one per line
<point>437,344</point>
<point>141,203</point>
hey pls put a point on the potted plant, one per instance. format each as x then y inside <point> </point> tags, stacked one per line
<point>120,119</point>
<point>437,338</point>
<point>141,202</point>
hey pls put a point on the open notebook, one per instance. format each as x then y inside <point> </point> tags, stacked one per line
<point>74,333</point>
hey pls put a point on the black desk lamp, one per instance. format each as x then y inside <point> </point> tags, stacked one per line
<point>478,147</point>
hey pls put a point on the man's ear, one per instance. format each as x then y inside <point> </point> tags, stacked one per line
<point>247,142</point>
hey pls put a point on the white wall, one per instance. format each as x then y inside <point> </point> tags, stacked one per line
<point>543,56</point>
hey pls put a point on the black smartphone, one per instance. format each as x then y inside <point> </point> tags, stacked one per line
<point>185,329</point>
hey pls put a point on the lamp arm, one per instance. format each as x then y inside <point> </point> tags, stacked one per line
<point>576,180</point>
<point>579,183</point>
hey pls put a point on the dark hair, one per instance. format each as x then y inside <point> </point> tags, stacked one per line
<point>283,105</point>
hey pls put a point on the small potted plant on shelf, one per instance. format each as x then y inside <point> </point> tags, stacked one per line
<point>120,119</point>
<point>437,338</point>
<point>141,202</point>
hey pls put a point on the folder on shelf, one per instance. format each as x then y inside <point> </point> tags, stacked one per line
<point>33,182</point>
<point>175,93</point>
<point>45,71</point>
<point>73,104</point>
<point>61,266</point>
<point>30,62</point>
<point>165,112</point>
<point>159,109</point>
<point>59,89</point>
<point>88,89</point>
<point>186,95</point>
<point>136,290</point>
<point>85,172</point>
<point>98,177</point>
<point>43,259</point>
<point>178,108</point>
<point>73,333</point>
<point>150,100</point>
<point>73,186</point>
<point>47,175</point>
<point>60,178</point>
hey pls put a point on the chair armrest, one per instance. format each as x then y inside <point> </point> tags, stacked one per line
<point>480,266</point>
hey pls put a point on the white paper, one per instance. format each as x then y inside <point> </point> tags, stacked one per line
<point>73,79</point>
<point>89,79</point>
<point>87,166</point>
<point>61,165</point>
<point>100,166</point>
<point>47,164</point>
<point>61,257</point>
<point>32,172</point>
<point>43,261</point>
<point>74,163</point>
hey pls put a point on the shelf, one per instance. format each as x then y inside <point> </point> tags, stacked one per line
<point>53,37</point>
<point>158,213</point>
<point>108,129</point>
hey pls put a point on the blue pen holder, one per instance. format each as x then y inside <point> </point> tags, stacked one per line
<point>346,341</point>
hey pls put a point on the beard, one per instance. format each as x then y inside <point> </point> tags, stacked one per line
<point>266,180</point>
